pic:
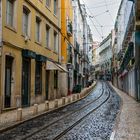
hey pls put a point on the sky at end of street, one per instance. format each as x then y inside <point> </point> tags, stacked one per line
<point>101,16</point>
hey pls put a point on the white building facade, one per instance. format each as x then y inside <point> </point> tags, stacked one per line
<point>105,58</point>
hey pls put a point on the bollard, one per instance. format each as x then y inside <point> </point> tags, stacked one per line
<point>35,109</point>
<point>63,101</point>
<point>56,103</point>
<point>19,114</point>
<point>68,99</point>
<point>46,105</point>
<point>73,97</point>
<point>78,96</point>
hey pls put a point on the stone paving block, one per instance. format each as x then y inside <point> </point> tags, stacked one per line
<point>128,127</point>
<point>10,117</point>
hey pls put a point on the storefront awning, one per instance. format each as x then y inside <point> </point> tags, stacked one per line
<point>54,66</point>
<point>29,54</point>
<point>62,68</point>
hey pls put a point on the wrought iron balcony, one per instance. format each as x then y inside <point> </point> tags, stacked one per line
<point>77,48</point>
<point>129,55</point>
<point>77,67</point>
<point>69,28</point>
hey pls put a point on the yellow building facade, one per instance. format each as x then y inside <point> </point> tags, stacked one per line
<point>30,47</point>
<point>67,44</point>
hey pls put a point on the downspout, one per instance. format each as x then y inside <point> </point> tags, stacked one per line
<point>0,52</point>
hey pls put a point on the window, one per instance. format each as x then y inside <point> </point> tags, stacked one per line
<point>10,12</point>
<point>55,41</point>
<point>55,6</point>
<point>69,52</point>
<point>38,78</point>
<point>48,3</point>
<point>47,36</point>
<point>55,79</point>
<point>25,21</point>
<point>38,22</point>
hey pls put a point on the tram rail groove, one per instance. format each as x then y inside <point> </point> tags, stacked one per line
<point>65,131</point>
<point>67,115</point>
<point>80,120</point>
<point>16,124</point>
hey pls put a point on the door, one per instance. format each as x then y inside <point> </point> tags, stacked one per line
<point>8,81</point>
<point>47,84</point>
<point>26,82</point>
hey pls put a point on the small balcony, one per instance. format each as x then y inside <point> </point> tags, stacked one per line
<point>77,67</point>
<point>84,71</point>
<point>77,48</point>
<point>69,28</point>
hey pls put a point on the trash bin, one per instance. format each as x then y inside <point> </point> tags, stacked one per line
<point>77,89</point>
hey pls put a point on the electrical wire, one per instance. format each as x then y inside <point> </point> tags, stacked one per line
<point>115,3</point>
<point>90,17</point>
<point>108,11</point>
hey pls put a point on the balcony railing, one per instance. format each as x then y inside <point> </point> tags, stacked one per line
<point>77,48</point>
<point>77,67</point>
<point>69,28</point>
<point>129,55</point>
<point>85,71</point>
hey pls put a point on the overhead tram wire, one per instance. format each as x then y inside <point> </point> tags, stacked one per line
<point>101,13</point>
<point>90,17</point>
<point>108,11</point>
<point>110,3</point>
<point>96,28</point>
<point>103,5</point>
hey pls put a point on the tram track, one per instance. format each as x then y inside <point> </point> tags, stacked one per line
<point>70,114</point>
<point>80,120</point>
<point>58,123</point>
<point>67,115</point>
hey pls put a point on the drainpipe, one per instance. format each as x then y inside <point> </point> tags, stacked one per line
<point>0,52</point>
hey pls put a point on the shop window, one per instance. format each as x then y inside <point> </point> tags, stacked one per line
<point>55,79</point>
<point>38,78</point>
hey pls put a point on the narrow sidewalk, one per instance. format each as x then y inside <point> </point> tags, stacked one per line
<point>128,123</point>
<point>15,117</point>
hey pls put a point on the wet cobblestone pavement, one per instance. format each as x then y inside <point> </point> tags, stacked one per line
<point>97,125</point>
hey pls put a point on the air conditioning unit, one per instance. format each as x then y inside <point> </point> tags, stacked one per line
<point>26,38</point>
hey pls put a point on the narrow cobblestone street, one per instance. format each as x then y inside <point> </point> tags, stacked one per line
<point>69,69</point>
<point>91,118</point>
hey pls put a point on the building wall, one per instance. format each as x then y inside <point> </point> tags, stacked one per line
<point>105,55</point>
<point>66,40</point>
<point>0,48</point>
<point>124,35</point>
<point>122,20</point>
<point>14,42</point>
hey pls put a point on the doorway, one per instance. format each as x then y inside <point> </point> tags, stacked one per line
<point>26,82</point>
<point>47,84</point>
<point>8,81</point>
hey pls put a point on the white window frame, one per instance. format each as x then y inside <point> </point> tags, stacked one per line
<point>47,36</point>
<point>38,33</point>
<point>55,34</point>
<point>27,33</point>
<point>55,7</point>
<point>48,3</point>
<point>11,22</point>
